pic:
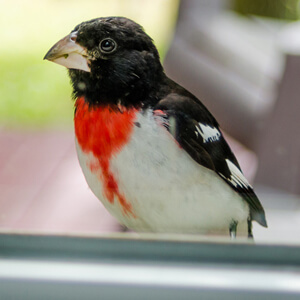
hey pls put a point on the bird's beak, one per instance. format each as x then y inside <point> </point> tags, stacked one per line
<point>68,53</point>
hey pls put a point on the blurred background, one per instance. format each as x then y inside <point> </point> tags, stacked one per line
<point>36,94</point>
<point>239,57</point>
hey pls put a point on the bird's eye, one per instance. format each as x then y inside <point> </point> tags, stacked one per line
<point>108,45</point>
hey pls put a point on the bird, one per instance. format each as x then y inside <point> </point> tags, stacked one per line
<point>150,150</point>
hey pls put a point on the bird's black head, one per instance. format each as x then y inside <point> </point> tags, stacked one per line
<point>110,61</point>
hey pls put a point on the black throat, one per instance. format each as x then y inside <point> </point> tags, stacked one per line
<point>117,83</point>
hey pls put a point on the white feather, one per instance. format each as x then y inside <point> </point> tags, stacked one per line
<point>237,178</point>
<point>208,133</point>
<point>168,190</point>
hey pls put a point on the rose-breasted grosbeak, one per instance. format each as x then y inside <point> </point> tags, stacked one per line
<point>149,149</point>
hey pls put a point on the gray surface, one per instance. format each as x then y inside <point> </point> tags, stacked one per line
<point>39,267</point>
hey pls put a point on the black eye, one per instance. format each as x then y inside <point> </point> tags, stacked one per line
<point>108,45</point>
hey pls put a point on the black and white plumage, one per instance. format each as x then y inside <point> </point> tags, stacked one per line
<point>175,172</point>
<point>198,133</point>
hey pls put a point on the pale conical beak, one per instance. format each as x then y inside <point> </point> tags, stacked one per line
<point>68,53</point>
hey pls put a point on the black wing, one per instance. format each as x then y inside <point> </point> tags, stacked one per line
<point>198,133</point>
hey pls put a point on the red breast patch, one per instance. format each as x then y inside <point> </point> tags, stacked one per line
<point>103,131</point>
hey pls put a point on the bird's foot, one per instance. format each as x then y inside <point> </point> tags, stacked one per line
<point>250,234</point>
<point>232,229</point>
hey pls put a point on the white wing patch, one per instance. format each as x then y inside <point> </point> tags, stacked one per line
<point>208,133</point>
<point>236,178</point>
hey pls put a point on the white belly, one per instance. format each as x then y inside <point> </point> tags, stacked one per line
<point>168,190</point>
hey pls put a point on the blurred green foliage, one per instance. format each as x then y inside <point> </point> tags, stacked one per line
<point>32,94</point>
<point>279,9</point>
<point>36,93</point>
